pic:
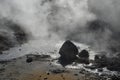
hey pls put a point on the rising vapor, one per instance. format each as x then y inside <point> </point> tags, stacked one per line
<point>91,22</point>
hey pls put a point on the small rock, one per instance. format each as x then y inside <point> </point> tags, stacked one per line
<point>29,60</point>
<point>101,61</point>
<point>83,57</point>
<point>115,77</point>
<point>84,54</point>
<point>48,73</point>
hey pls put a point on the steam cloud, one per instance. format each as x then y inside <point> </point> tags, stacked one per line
<point>93,22</point>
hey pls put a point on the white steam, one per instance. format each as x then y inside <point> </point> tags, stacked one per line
<point>66,19</point>
<point>69,15</point>
<point>39,16</point>
<point>107,10</point>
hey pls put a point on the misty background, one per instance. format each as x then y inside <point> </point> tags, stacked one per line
<point>46,22</point>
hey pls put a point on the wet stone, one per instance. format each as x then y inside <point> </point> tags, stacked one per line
<point>29,60</point>
<point>68,53</point>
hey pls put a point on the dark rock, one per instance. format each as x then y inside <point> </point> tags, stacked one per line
<point>20,49</point>
<point>48,73</point>
<point>29,60</point>
<point>115,77</point>
<point>113,64</point>
<point>100,61</point>
<point>84,54</point>
<point>68,53</point>
<point>83,57</point>
<point>96,57</point>
<point>113,68</point>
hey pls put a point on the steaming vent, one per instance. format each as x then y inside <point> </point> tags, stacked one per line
<point>11,34</point>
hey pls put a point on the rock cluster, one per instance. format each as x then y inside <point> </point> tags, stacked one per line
<point>69,53</point>
<point>112,63</point>
<point>100,61</point>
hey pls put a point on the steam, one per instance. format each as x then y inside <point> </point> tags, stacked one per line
<point>107,11</point>
<point>92,22</point>
<point>68,15</point>
<point>25,13</point>
<point>44,18</point>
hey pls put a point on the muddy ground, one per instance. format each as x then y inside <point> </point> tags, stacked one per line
<point>43,68</point>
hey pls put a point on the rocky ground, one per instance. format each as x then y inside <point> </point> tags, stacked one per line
<point>72,64</point>
<point>42,67</point>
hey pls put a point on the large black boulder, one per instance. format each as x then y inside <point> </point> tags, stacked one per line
<point>68,53</point>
